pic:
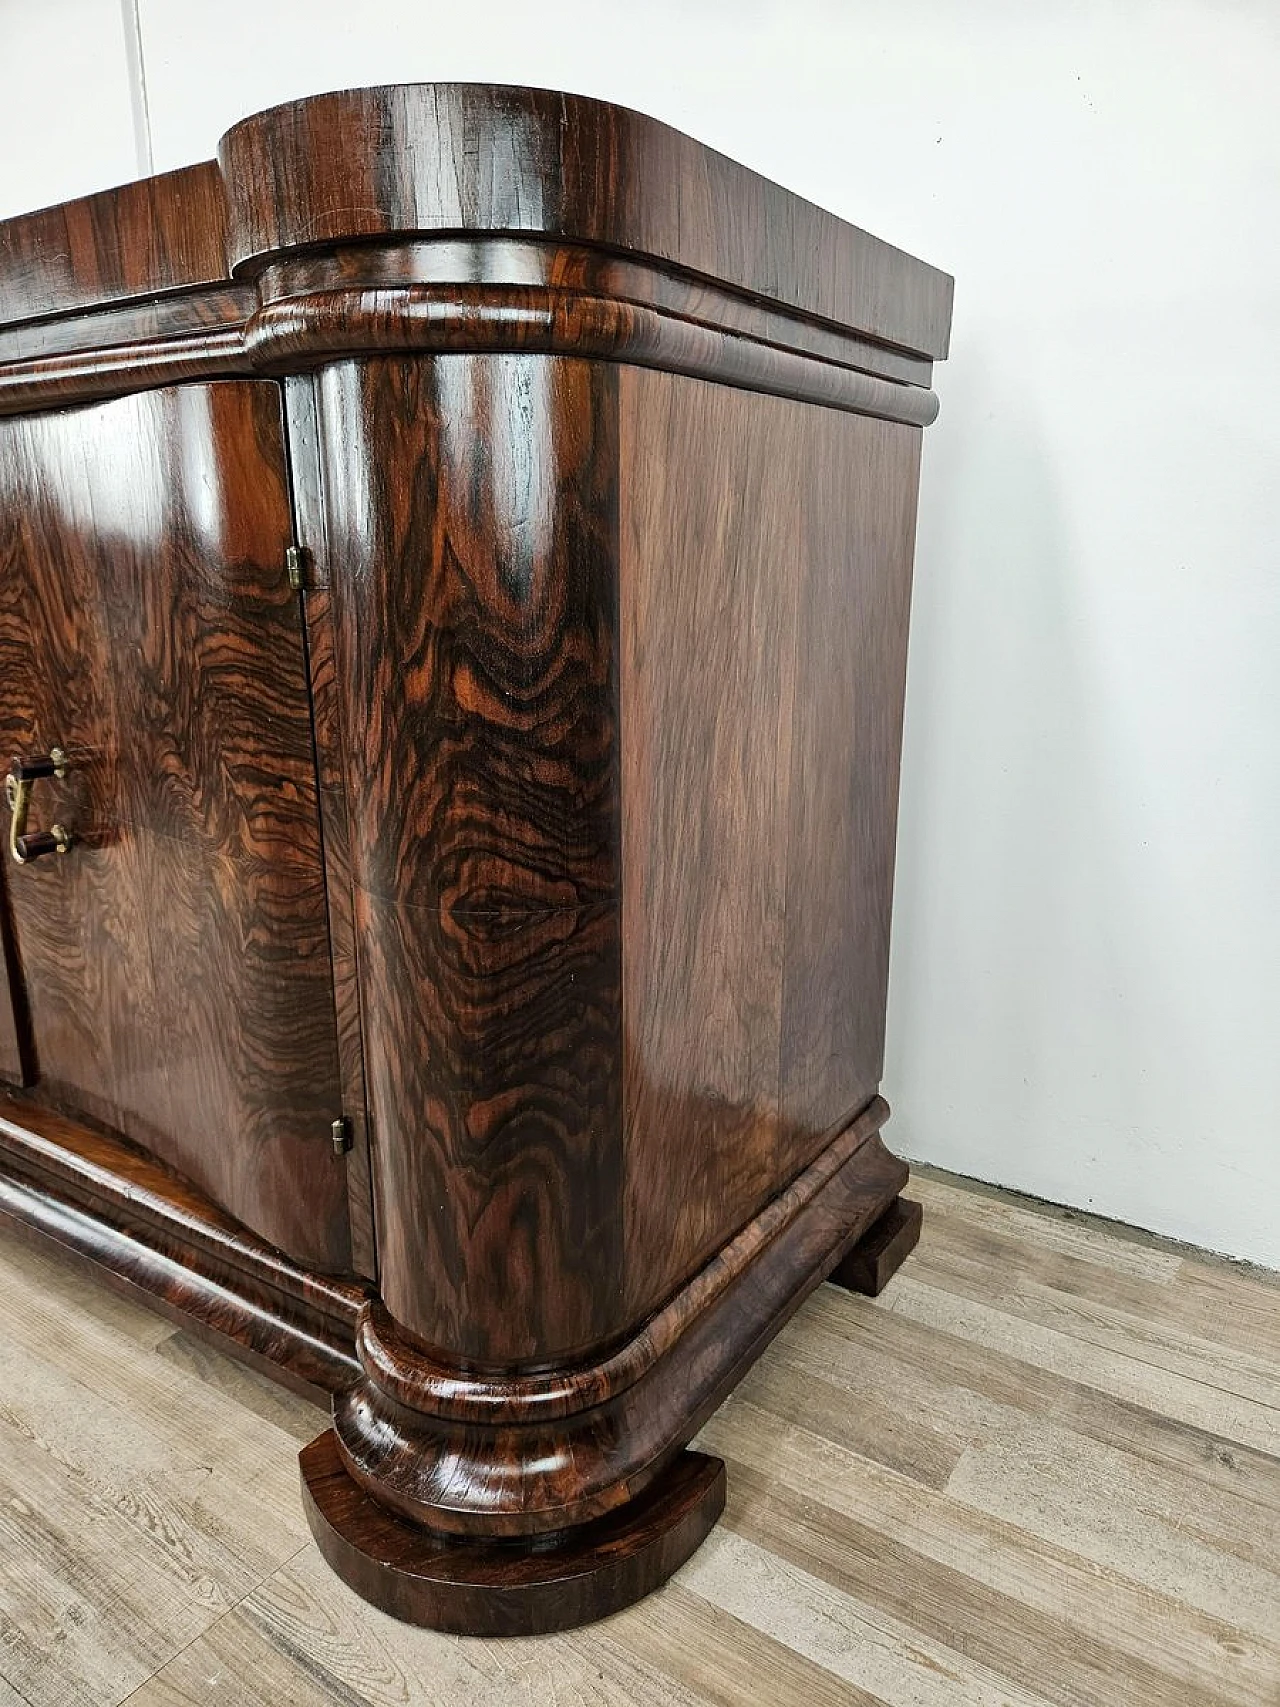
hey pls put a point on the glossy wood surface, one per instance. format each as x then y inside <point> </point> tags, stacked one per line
<point>577,271</point>
<point>597,1435</point>
<point>147,627</point>
<point>307,481</point>
<point>543,832</point>
<point>446,295</point>
<point>501,1589</point>
<point>765,567</point>
<point>473,594</point>
<point>148,1233</point>
<point>166,233</point>
<point>459,156</point>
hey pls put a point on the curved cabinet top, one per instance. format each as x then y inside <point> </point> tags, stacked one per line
<point>428,158</point>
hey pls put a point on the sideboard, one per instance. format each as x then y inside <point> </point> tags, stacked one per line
<point>455,558</point>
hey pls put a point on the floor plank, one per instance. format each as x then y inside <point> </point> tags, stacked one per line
<point>1041,1471</point>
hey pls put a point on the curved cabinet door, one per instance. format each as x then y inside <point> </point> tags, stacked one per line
<point>171,970</point>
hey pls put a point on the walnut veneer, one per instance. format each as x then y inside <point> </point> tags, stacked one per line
<point>457,550</point>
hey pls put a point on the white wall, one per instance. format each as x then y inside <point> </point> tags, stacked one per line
<point>1086,982</point>
<point>66,113</point>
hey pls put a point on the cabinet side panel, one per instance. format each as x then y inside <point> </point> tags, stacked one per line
<point>471,534</point>
<point>854,590</point>
<point>764,551</point>
<point>707,624</point>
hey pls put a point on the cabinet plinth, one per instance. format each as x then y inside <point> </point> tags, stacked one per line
<point>460,544</point>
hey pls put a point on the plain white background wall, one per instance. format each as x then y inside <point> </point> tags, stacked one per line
<point>1085,997</point>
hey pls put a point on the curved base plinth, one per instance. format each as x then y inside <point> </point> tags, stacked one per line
<point>508,1588</point>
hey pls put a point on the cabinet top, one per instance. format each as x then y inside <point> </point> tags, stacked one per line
<point>424,159</point>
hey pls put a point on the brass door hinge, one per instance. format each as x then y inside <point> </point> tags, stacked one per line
<point>342,1139</point>
<point>295,561</point>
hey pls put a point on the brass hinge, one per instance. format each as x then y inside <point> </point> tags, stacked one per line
<point>342,1140</point>
<point>295,561</point>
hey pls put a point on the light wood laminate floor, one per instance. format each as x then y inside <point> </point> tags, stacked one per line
<point>1043,1468</point>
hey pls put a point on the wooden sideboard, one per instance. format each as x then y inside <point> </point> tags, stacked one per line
<point>455,557</point>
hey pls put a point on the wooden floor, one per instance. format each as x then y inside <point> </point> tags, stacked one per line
<point>1042,1468</point>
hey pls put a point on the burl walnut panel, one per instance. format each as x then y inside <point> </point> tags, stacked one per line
<point>470,565</point>
<point>175,962</point>
<point>765,571</point>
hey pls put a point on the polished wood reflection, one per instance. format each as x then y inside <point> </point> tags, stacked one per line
<point>471,573</point>
<point>765,566</point>
<point>175,962</point>
<point>465,990</point>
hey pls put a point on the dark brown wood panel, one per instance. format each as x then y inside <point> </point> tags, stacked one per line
<point>852,573</point>
<point>764,574</point>
<point>707,620</point>
<point>159,234</point>
<point>307,483</point>
<point>147,1232</point>
<point>493,1048</point>
<point>79,922</point>
<point>529,263</point>
<point>453,157</point>
<point>506,1589</point>
<point>595,1435</point>
<point>176,960</point>
<point>471,569</point>
<point>545,833</point>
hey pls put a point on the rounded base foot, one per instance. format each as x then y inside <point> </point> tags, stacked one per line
<point>508,1588</point>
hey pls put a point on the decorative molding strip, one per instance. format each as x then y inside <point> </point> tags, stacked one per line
<point>421,1383</point>
<point>553,1471</point>
<point>302,330</point>
<point>149,1233</point>
<point>295,333</point>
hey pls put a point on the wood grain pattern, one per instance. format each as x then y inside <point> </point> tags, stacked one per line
<point>307,490</point>
<point>442,295</point>
<point>498,1589</point>
<point>487,318</point>
<point>759,812</point>
<point>414,159</point>
<point>456,157</point>
<point>166,233</point>
<point>573,270</point>
<point>472,586</point>
<point>542,1462</point>
<point>809,1591</point>
<point>547,838</point>
<point>134,328</point>
<point>147,1232</point>
<point>146,625</point>
<point>852,556</point>
<point>17,1063</point>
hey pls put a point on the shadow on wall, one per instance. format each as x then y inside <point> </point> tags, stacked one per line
<point>1034,1038</point>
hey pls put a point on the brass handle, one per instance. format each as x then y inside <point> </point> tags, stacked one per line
<point>22,778</point>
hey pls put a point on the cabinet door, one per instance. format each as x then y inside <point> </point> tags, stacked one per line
<point>173,965</point>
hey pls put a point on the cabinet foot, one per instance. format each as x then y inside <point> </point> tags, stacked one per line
<point>882,1249</point>
<point>508,1588</point>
